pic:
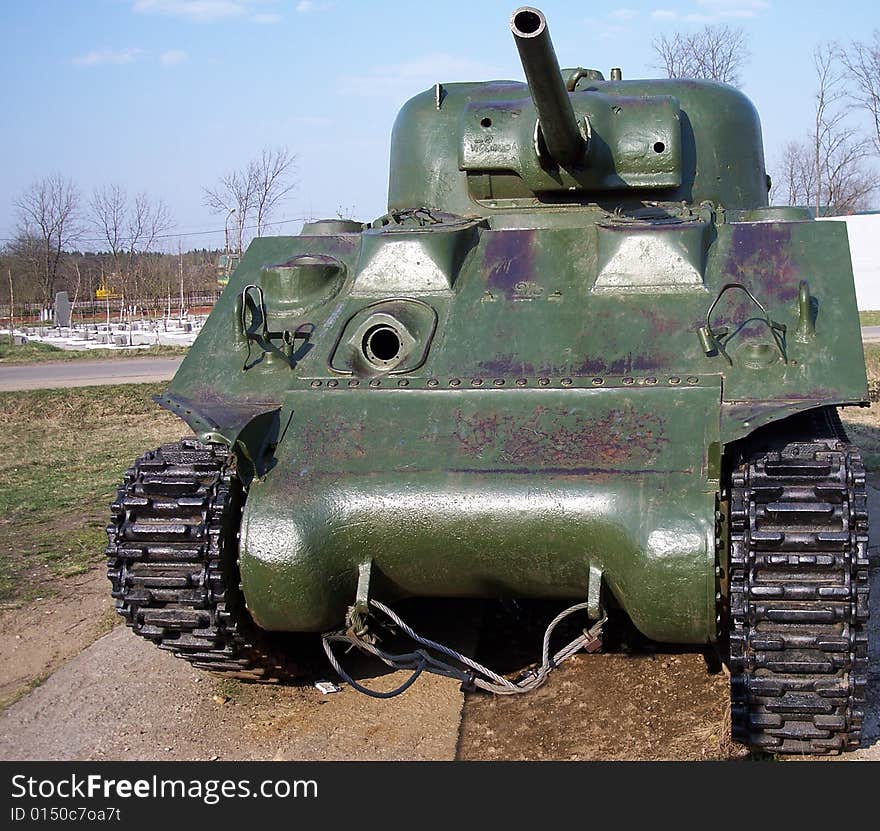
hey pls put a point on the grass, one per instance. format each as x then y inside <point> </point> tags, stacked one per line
<point>871,318</point>
<point>23,690</point>
<point>863,425</point>
<point>34,352</point>
<point>62,454</point>
<point>872,361</point>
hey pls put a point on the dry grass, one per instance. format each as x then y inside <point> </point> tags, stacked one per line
<point>62,453</point>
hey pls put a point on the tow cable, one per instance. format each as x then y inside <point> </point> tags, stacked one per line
<point>471,674</point>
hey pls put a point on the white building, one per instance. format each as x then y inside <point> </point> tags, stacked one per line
<point>864,245</point>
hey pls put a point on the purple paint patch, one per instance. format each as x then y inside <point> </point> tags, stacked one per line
<point>760,258</point>
<point>510,261</point>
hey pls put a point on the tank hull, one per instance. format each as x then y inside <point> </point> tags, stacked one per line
<point>490,493</point>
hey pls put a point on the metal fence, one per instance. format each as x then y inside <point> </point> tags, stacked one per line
<point>98,308</point>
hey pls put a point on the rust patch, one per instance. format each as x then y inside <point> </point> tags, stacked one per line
<point>563,438</point>
<point>333,441</point>
<point>510,262</point>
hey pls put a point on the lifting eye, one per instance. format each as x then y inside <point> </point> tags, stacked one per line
<point>381,344</point>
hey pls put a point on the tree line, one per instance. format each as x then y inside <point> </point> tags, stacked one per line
<point>125,244</point>
<point>832,165</point>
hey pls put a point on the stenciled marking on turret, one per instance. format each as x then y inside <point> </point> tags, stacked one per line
<point>561,438</point>
<point>510,265</point>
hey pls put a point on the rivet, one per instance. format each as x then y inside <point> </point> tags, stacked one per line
<point>566,382</point>
<point>354,383</point>
<point>650,381</point>
<point>520,382</point>
<point>316,383</point>
<point>674,380</point>
<point>543,382</point>
<point>499,382</point>
<point>693,380</point>
<point>597,382</point>
<point>477,382</point>
<point>433,382</point>
<point>403,383</point>
<point>333,383</point>
<point>627,381</point>
<point>375,382</point>
<point>454,382</point>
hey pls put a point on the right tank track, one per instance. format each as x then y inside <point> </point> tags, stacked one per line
<point>172,561</point>
<point>799,590</point>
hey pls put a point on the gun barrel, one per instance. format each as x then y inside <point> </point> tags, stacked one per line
<point>564,141</point>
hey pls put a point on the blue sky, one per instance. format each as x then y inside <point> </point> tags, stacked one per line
<point>166,95</point>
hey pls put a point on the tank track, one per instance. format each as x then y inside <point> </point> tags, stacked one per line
<point>172,561</point>
<point>799,590</point>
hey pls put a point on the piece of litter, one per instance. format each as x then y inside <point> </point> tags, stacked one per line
<point>327,687</point>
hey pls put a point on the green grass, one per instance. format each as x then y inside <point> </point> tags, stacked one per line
<point>62,454</point>
<point>32,352</point>
<point>869,318</point>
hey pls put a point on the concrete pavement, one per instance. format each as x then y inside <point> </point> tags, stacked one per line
<point>86,373</point>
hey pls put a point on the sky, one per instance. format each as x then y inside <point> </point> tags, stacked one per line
<point>165,96</point>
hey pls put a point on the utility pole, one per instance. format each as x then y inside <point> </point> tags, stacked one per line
<point>11,309</point>
<point>180,274</point>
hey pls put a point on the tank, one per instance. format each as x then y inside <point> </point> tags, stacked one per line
<point>580,358</point>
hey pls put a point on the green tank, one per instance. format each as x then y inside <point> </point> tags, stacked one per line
<point>580,358</point>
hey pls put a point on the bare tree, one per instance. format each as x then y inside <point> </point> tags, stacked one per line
<point>271,175</point>
<point>715,53</point>
<point>255,190</point>
<point>233,194</point>
<point>130,229</point>
<point>48,212</point>
<point>862,62</point>
<point>829,170</point>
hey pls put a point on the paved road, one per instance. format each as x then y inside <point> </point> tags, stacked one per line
<point>870,333</point>
<point>87,373</point>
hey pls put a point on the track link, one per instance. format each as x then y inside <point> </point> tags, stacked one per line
<point>799,592</point>
<point>172,560</point>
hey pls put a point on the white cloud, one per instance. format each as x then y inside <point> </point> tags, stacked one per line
<point>664,14</point>
<point>201,11</point>
<point>103,57</point>
<point>717,10</point>
<point>266,18</point>
<point>623,14</point>
<point>172,57</point>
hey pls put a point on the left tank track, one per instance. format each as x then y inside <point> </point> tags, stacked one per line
<point>172,561</point>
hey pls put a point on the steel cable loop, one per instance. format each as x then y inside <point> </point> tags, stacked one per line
<point>420,660</point>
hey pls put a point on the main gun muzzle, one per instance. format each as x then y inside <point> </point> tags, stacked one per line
<point>562,136</point>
